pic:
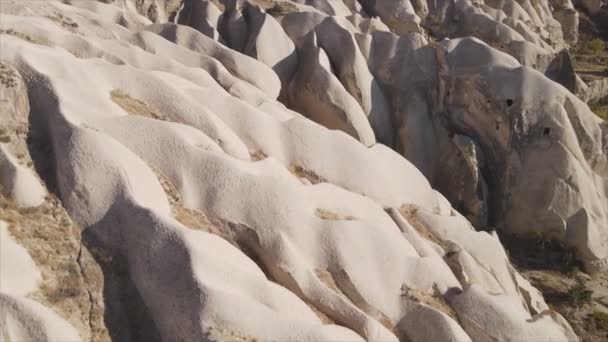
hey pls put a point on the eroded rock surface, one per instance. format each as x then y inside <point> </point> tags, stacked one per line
<point>266,170</point>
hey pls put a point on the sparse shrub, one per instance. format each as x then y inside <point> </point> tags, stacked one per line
<point>555,252</point>
<point>600,319</point>
<point>579,295</point>
<point>600,108</point>
<point>595,46</point>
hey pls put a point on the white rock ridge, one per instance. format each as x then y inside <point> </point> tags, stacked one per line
<point>240,217</point>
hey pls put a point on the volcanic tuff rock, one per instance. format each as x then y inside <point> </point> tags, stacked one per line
<point>265,170</point>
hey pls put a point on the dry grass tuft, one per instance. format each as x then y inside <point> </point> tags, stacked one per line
<point>257,155</point>
<point>8,77</point>
<point>432,298</point>
<point>594,46</point>
<point>301,172</point>
<point>408,211</point>
<point>330,215</point>
<point>600,320</point>
<point>222,334</point>
<point>134,106</point>
<point>19,35</point>
<point>64,21</point>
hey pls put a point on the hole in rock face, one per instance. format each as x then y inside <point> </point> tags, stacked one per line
<point>546,131</point>
<point>153,13</point>
<point>509,102</point>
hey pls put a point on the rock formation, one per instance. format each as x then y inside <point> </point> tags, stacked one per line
<point>289,170</point>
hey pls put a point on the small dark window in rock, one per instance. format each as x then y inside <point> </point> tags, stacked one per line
<point>546,131</point>
<point>509,102</point>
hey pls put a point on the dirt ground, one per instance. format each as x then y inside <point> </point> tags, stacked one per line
<point>581,298</point>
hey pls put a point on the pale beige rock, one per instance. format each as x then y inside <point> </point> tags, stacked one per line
<point>155,10</point>
<point>351,68</point>
<point>27,320</point>
<point>238,219</point>
<point>18,272</point>
<point>508,323</point>
<point>318,94</point>
<point>556,179</point>
<point>400,16</point>
<point>242,66</point>
<point>18,182</point>
<point>268,43</point>
<point>201,15</point>
<point>437,326</point>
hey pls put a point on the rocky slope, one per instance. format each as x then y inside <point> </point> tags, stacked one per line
<point>289,170</point>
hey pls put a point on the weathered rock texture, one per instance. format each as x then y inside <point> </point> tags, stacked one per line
<point>205,204</point>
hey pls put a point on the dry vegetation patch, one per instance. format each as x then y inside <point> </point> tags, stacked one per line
<point>600,108</point>
<point>552,268</point>
<point>581,299</point>
<point>302,172</point>
<point>19,35</point>
<point>134,106</point>
<point>332,216</point>
<point>197,220</point>
<point>192,218</point>
<point>590,56</point>
<point>4,137</point>
<point>47,233</point>
<point>340,283</point>
<point>222,334</point>
<point>64,21</point>
<point>326,278</point>
<point>600,320</point>
<point>13,113</point>
<point>432,298</point>
<point>257,155</point>
<point>8,77</point>
<point>409,212</point>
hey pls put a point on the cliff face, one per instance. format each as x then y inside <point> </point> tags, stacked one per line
<point>278,170</point>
